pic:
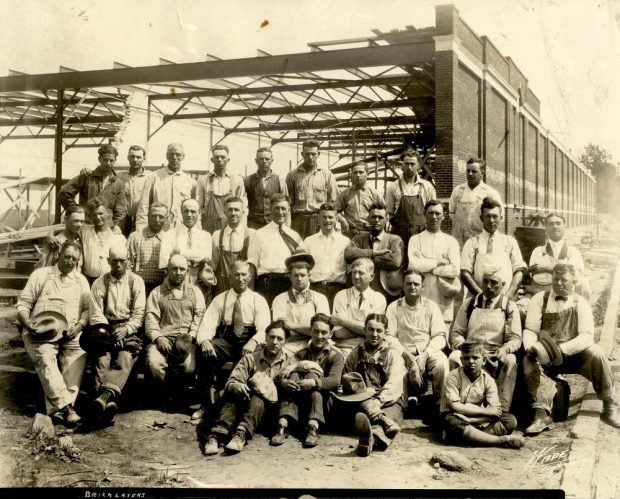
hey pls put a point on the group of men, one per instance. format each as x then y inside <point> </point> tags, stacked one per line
<point>297,305</point>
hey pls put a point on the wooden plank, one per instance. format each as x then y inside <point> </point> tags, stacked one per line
<point>25,235</point>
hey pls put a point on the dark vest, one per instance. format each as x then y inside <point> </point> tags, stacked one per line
<point>259,202</point>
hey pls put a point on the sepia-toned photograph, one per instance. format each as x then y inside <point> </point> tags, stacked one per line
<point>282,248</point>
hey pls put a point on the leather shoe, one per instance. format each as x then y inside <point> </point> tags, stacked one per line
<point>70,418</point>
<point>279,437</point>
<point>364,430</point>
<point>512,441</point>
<point>109,415</point>
<point>100,403</point>
<point>312,437</point>
<point>389,426</point>
<point>212,447</point>
<point>539,425</point>
<point>611,415</point>
<point>236,442</point>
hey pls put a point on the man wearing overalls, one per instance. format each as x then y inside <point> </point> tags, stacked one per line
<point>355,201</point>
<point>567,318</point>
<point>260,186</point>
<point>465,202</point>
<point>492,249</point>
<point>309,186</point>
<point>215,187</point>
<point>299,304</point>
<point>405,199</point>
<point>234,325</point>
<point>230,243</point>
<point>352,305</point>
<point>493,319</point>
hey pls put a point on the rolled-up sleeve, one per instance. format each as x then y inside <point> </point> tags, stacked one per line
<point>468,255</point>
<point>395,370</point>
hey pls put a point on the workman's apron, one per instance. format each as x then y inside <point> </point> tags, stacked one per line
<point>409,217</point>
<point>347,340</point>
<point>226,261</point>
<point>300,314</point>
<point>562,326</point>
<point>487,325</point>
<point>214,213</point>
<point>64,298</point>
<point>484,261</point>
<point>466,220</point>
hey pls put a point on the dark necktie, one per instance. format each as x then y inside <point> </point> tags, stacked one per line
<point>359,305</point>
<point>562,298</point>
<point>291,244</point>
<point>487,303</point>
<point>238,317</point>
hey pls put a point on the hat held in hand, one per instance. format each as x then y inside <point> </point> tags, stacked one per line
<point>48,326</point>
<point>264,386</point>
<point>548,350</point>
<point>97,337</point>
<point>354,389</point>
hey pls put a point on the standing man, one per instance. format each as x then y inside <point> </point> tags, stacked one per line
<point>273,244</point>
<point>260,186</point>
<point>135,181</point>
<point>309,186</point>
<point>231,243</point>
<point>102,182</point>
<point>327,246</point>
<point>354,202</point>
<point>494,320</point>
<point>385,250</point>
<point>405,198</point>
<point>173,312</point>
<point>168,185</point>
<point>417,326</point>
<point>465,202</point>
<point>53,310</point>
<point>215,187</point>
<point>74,220</point>
<point>144,248</point>
<point>492,249</point>
<point>352,306</point>
<point>565,319</point>
<point>117,299</point>
<point>436,256</point>
<point>299,304</point>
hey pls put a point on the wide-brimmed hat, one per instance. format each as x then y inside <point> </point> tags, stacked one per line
<point>299,255</point>
<point>48,326</point>
<point>392,281</point>
<point>97,337</point>
<point>449,287</point>
<point>354,389</point>
<point>264,386</point>
<point>548,350</point>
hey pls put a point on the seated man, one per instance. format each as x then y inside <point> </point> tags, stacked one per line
<point>567,319</point>
<point>494,320</point>
<point>386,251</point>
<point>417,330</point>
<point>173,312</point>
<point>53,310</point>
<point>233,326</point>
<point>352,306</point>
<point>244,407</point>
<point>299,304</point>
<point>374,368</point>
<point>306,395</point>
<point>118,299</point>
<point>471,410</point>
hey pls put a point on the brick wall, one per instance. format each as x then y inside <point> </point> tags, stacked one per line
<point>541,176</point>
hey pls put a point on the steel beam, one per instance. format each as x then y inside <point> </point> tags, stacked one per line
<point>4,102</point>
<point>52,120</point>
<point>389,55</point>
<point>348,137</point>
<point>93,135</point>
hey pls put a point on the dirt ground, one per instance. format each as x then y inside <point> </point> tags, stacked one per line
<point>134,454</point>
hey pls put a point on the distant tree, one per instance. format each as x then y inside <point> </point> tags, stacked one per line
<point>600,162</point>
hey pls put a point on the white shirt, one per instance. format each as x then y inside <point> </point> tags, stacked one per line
<point>268,250</point>
<point>420,326</point>
<point>179,239</point>
<point>540,257</point>
<point>328,254</point>
<point>373,302</point>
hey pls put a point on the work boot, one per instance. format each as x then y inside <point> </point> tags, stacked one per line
<point>109,415</point>
<point>236,442</point>
<point>70,417</point>
<point>389,426</point>
<point>280,436</point>
<point>542,421</point>
<point>213,446</point>
<point>364,430</point>
<point>99,404</point>
<point>312,437</point>
<point>512,441</point>
<point>198,416</point>
<point>611,414</point>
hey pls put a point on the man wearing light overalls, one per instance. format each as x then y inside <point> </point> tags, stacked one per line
<point>299,304</point>
<point>405,199</point>
<point>215,187</point>
<point>465,202</point>
<point>352,305</point>
<point>492,249</point>
<point>494,320</point>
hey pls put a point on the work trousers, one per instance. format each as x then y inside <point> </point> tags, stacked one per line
<point>305,224</point>
<point>506,378</point>
<point>433,368</point>
<point>455,426</point>
<point>271,285</point>
<point>159,364</point>
<point>309,404</point>
<point>60,367</point>
<point>112,369</point>
<point>247,414</point>
<point>591,364</point>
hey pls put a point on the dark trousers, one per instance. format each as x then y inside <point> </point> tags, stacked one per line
<point>305,224</point>
<point>455,426</point>
<point>112,369</point>
<point>309,404</point>
<point>271,285</point>
<point>238,413</point>
<point>129,226</point>
<point>329,289</point>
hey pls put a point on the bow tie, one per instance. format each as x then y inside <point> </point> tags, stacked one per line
<point>563,298</point>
